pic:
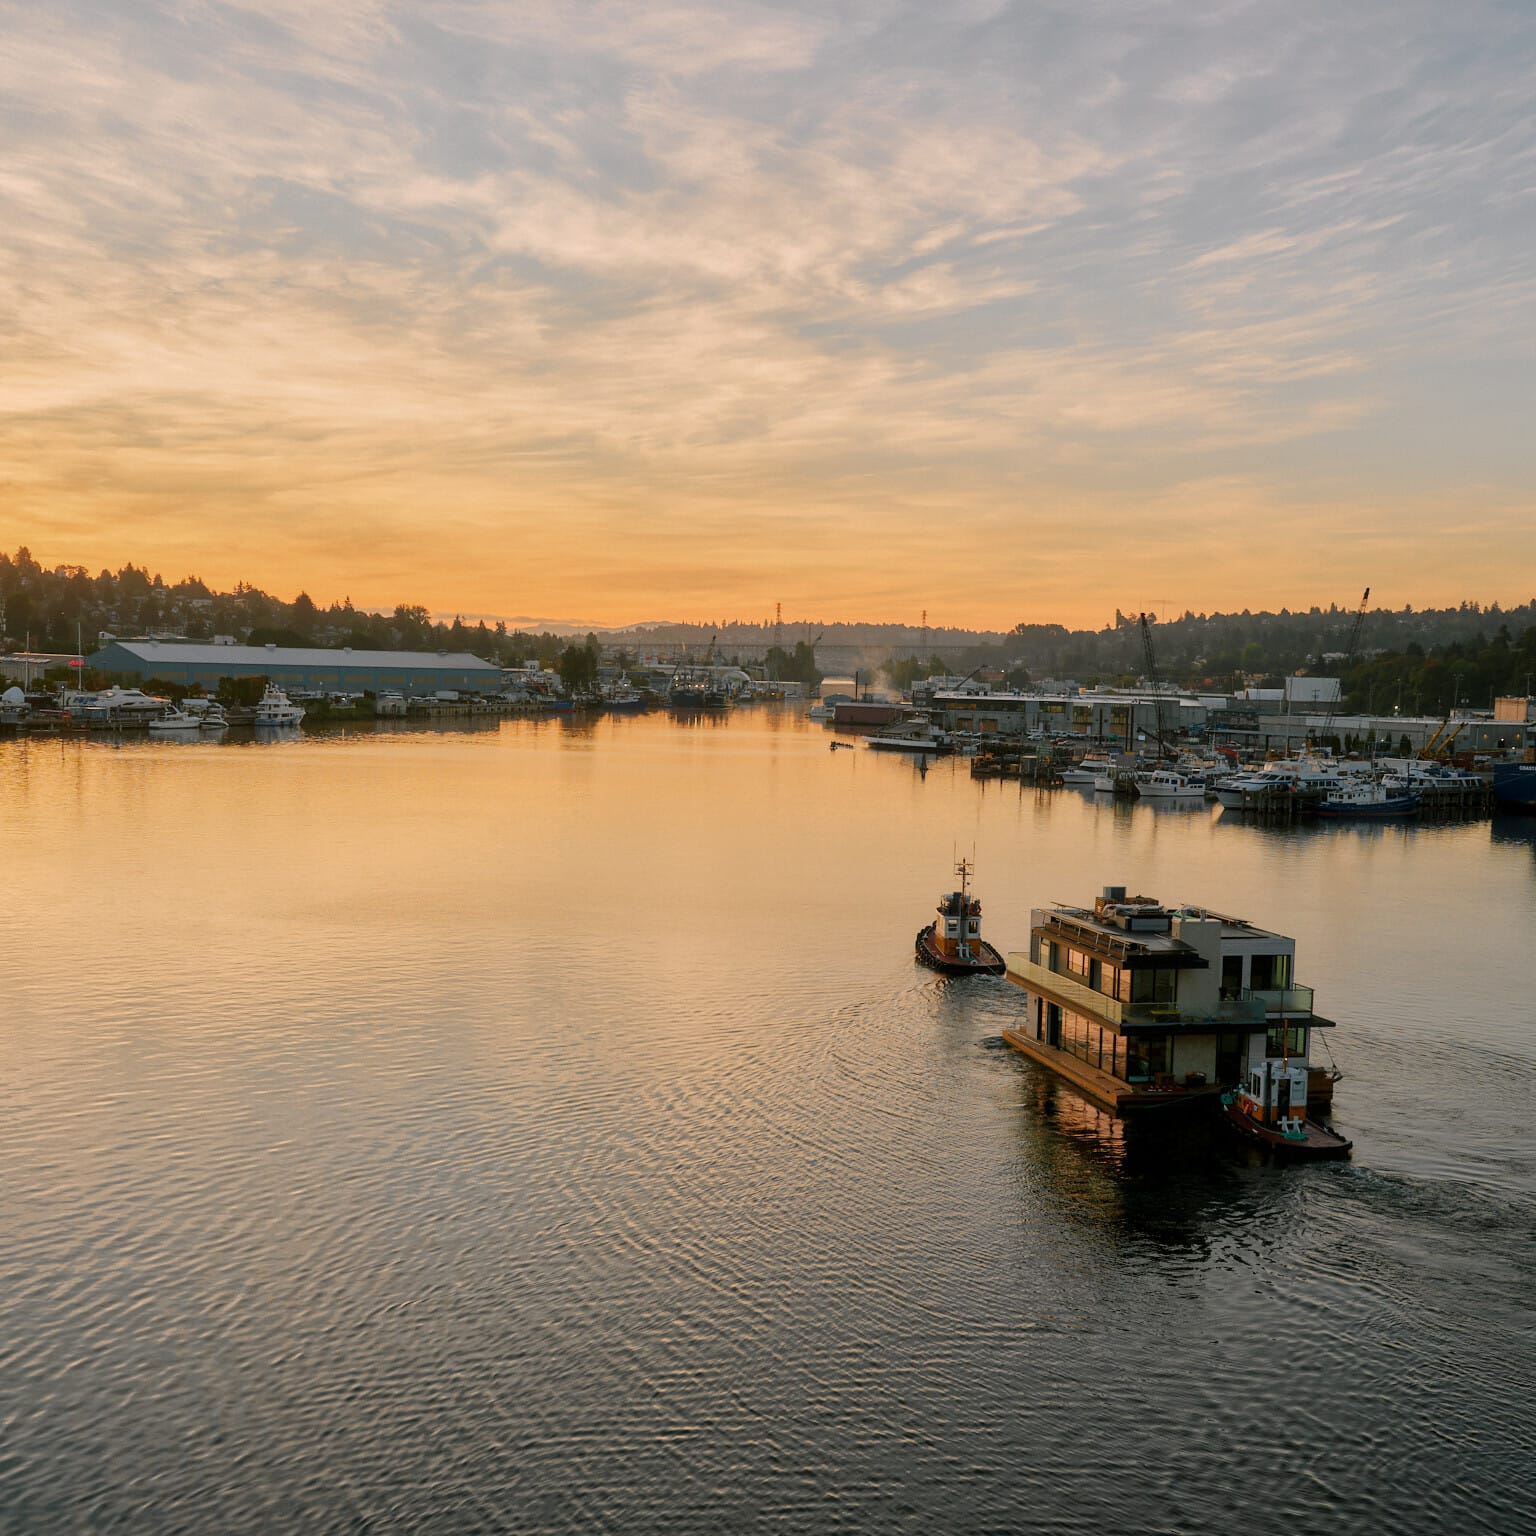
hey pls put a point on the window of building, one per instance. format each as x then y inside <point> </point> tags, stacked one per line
<point>1157,988</point>
<point>1295,1046</point>
<point>1147,1057</point>
<point>1231,975</point>
<point>1269,972</point>
<point>1077,962</point>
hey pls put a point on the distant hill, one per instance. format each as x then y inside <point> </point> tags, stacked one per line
<point>1468,650</point>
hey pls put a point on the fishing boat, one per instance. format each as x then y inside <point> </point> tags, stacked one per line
<point>952,943</point>
<point>1368,799</point>
<point>1514,786</point>
<point>624,700</point>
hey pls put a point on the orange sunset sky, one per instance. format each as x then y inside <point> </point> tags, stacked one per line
<point>612,312</point>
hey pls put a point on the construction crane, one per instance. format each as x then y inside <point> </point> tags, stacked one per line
<point>1438,750</point>
<point>1160,735</point>
<point>1336,703</point>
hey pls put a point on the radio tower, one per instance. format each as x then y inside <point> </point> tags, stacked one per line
<point>925,633</point>
<point>778,625</point>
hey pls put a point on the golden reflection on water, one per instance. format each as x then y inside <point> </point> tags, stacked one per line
<point>577,1075</point>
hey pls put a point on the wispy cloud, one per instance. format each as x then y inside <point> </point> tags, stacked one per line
<point>743,291</point>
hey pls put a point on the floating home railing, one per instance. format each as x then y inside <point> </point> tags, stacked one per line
<point>1245,1008</point>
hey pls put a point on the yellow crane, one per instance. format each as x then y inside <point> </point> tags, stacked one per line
<point>1438,750</point>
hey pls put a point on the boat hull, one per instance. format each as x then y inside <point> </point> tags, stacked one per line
<point>1514,787</point>
<point>1398,805</point>
<point>1315,1142</point>
<point>987,963</point>
<point>909,744</point>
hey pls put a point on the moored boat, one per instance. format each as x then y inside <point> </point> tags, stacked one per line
<point>952,943</point>
<point>1087,771</point>
<point>175,720</point>
<point>1165,784</point>
<point>911,736</point>
<point>1514,786</point>
<point>276,708</point>
<point>1368,799</point>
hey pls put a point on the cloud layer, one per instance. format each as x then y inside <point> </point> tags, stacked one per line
<point>1000,310</point>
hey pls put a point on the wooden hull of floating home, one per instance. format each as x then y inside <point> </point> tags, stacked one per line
<point>986,963</point>
<point>1107,1091</point>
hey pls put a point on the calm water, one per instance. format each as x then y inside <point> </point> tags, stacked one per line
<point>544,1128</point>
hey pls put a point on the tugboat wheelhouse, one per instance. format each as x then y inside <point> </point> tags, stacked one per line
<point>1141,1005</point>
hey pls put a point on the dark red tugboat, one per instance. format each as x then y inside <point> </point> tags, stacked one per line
<point>952,943</point>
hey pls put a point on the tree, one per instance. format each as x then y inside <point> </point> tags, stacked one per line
<point>578,667</point>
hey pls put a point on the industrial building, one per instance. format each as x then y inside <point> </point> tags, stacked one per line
<point>1102,716</point>
<point>418,673</point>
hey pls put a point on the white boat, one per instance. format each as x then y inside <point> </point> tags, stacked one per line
<point>175,720</point>
<point>276,708</point>
<point>1165,784</point>
<point>1088,772</point>
<point>212,719</point>
<point>911,741</point>
<point>1289,776</point>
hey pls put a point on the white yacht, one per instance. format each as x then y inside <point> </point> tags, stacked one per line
<point>276,708</point>
<point>1165,784</point>
<point>1089,771</point>
<point>175,720</point>
<point>1292,775</point>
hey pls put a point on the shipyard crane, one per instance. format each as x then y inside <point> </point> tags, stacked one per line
<point>1149,656</point>
<point>1440,750</point>
<point>1336,703</point>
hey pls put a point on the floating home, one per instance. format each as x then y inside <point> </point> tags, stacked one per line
<point>1139,1005</point>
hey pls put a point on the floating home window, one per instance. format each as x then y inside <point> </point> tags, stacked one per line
<point>1295,1046</point>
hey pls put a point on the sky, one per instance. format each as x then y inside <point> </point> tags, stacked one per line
<point>620,312</point>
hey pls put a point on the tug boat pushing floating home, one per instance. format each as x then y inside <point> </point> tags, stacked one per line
<point>952,943</point>
<point>1141,1006</point>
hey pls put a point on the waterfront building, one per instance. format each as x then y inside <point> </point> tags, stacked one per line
<point>409,673</point>
<point>1122,717</point>
<point>1139,1005</point>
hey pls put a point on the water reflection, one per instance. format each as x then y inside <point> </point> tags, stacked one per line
<point>542,1124</point>
<point>1514,831</point>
